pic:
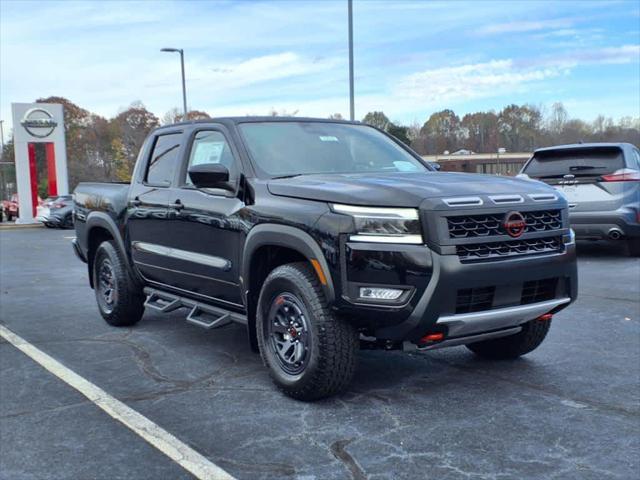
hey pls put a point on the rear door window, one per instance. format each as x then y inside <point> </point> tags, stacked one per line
<point>164,160</point>
<point>585,162</point>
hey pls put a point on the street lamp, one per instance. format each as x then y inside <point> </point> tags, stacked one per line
<point>351,99</point>
<point>184,88</point>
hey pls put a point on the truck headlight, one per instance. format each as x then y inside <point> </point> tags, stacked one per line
<point>383,225</point>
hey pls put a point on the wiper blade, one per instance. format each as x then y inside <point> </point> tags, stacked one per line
<point>575,168</point>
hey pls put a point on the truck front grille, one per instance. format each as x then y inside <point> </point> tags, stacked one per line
<point>474,299</point>
<point>490,250</point>
<point>539,290</point>
<point>471,226</point>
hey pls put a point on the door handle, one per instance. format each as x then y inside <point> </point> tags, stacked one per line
<point>177,205</point>
<point>135,202</point>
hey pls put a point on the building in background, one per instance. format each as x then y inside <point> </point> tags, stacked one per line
<point>491,163</point>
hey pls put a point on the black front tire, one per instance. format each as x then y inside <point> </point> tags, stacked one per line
<point>120,301</point>
<point>633,244</point>
<point>513,346</point>
<point>330,344</point>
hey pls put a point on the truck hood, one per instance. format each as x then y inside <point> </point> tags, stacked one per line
<point>398,189</point>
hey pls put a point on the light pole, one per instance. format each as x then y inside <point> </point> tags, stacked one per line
<point>351,99</point>
<point>184,88</point>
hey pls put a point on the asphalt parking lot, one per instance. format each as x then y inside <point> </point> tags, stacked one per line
<point>568,410</point>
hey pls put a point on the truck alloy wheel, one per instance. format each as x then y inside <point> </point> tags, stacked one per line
<point>310,353</point>
<point>288,332</point>
<point>120,301</point>
<point>107,285</point>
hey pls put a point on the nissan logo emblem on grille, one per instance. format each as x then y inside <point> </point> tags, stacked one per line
<point>514,224</point>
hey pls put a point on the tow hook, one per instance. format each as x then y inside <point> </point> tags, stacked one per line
<point>546,317</point>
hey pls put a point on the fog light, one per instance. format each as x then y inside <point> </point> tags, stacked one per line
<point>380,293</point>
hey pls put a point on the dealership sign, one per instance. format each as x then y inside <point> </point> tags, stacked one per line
<point>40,154</point>
<point>38,122</point>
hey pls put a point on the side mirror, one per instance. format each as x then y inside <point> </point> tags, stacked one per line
<point>209,175</point>
<point>436,165</point>
<point>523,176</point>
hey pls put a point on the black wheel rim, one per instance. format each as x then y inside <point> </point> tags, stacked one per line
<point>107,285</point>
<point>288,333</point>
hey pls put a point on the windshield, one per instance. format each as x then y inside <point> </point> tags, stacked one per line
<point>578,162</point>
<point>298,148</point>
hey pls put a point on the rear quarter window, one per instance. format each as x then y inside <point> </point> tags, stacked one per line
<point>164,159</point>
<point>578,162</point>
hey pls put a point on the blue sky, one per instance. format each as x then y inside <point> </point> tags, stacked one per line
<point>412,58</point>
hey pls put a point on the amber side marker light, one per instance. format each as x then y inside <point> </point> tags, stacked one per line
<point>432,337</point>
<point>319,272</point>
<point>546,317</point>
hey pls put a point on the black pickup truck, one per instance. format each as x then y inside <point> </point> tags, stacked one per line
<point>324,237</point>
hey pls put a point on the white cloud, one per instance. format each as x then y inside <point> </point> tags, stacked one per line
<point>470,81</point>
<point>525,26</point>
<point>500,77</point>
<point>231,75</point>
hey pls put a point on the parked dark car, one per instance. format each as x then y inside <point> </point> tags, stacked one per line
<point>60,212</point>
<point>323,236</point>
<point>601,182</point>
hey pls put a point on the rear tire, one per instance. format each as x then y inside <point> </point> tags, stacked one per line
<point>633,244</point>
<point>120,302</point>
<point>513,346</point>
<point>310,353</point>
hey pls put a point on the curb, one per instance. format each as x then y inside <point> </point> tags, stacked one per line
<point>13,226</point>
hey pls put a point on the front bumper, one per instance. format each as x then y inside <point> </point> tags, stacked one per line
<point>435,311</point>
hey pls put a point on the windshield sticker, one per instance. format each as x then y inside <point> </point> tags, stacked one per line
<point>328,138</point>
<point>403,166</point>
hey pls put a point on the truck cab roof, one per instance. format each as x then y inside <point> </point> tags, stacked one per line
<point>254,119</point>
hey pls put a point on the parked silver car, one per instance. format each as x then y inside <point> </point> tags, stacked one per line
<point>601,182</point>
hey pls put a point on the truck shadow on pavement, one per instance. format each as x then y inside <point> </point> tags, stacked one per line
<point>601,249</point>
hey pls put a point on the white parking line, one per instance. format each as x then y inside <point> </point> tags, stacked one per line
<point>173,448</point>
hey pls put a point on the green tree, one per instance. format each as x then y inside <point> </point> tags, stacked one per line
<point>519,127</point>
<point>131,127</point>
<point>377,119</point>
<point>123,169</point>
<point>441,132</point>
<point>480,132</point>
<point>400,132</point>
<point>174,116</point>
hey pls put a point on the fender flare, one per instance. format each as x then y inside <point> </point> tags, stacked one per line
<point>103,220</point>
<point>283,236</point>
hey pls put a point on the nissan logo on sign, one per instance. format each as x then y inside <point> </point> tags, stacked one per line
<point>514,224</point>
<point>38,123</point>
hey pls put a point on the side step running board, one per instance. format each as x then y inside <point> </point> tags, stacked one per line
<point>200,314</point>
